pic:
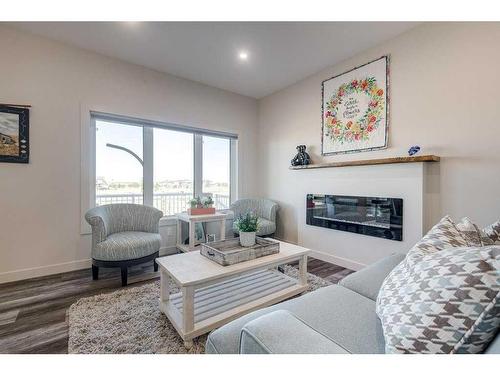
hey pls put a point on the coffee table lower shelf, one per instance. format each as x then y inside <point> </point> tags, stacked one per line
<point>194,312</point>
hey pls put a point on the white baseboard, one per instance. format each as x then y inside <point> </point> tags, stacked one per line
<point>28,273</point>
<point>339,261</point>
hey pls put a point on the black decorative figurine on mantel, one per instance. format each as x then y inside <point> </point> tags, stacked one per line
<point>302,157</point>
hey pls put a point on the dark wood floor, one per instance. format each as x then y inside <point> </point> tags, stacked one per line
<point>33,312</point>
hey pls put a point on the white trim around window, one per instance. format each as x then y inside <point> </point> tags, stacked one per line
<point>88,157</point>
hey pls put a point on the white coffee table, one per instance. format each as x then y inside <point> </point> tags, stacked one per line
<point>212,295</point>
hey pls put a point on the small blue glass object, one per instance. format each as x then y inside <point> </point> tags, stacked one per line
<point>413,150</point>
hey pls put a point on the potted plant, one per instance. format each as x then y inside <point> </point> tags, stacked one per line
<point>201,207</point>
<point>208,202</point>
<point>194,202</point>
<point>247,225</point>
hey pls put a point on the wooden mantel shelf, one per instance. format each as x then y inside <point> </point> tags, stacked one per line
<point>356,163</point>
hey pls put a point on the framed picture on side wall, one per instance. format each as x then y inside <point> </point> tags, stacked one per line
<point>355,109</point>
<point>14,134</point>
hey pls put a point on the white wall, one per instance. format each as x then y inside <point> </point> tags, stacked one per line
<point>40,202</point>
<point>444,96</point>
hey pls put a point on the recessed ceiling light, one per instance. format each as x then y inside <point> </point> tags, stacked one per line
<point>243,55</point>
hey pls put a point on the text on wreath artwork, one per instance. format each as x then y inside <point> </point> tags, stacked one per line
<point>351,106</point>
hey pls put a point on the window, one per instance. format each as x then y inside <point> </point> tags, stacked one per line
<point>119,172</point>
<point>162,165</point>
<point>216,170</point>
<point>173,170</point>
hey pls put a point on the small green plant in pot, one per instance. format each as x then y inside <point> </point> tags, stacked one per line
<point>196,203</point>
<point>199,206</point>
<point>193,203</point>
<point>208,202</point>
<point>247,225</point>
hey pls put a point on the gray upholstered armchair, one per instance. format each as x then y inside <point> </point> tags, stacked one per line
<point>123,235</point>
<point>265,209</point>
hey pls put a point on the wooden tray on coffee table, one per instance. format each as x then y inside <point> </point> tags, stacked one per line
<point>229,252</point>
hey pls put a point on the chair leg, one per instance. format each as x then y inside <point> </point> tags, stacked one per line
<point>124,275</point>
<point>155,265</point>
<point>95,272</point>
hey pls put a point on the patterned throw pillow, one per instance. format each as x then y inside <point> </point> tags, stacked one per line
<point>472,234</point>
<point>493,232</point>
<point>442,236</point>
<point>448,302</point>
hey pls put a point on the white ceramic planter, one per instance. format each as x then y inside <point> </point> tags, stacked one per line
<point>247,239</point>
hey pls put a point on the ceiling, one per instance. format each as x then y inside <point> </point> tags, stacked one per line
<point>279,53</point>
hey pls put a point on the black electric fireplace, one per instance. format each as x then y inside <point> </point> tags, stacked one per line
<point>371,216</point>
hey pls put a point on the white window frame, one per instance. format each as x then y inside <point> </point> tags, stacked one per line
<point>88,159</point>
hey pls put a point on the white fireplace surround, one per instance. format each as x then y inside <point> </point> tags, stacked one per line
<point>416,183</point>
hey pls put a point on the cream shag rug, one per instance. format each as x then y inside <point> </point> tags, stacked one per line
<point>129,321</point>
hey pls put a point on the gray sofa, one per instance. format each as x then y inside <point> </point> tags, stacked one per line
<point>338,319</point>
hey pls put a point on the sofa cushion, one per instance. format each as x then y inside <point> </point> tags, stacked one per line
<point>473,234</point>
<point>448,302</point>
<point>126,246</point>
<point>367,281</point>
<point>442,236</point>
<point>493,232</point>
<point>470,232</point>
<point>346,317</point>
<point>271,333</point>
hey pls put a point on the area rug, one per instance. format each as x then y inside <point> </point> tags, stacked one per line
<point>129,321</point>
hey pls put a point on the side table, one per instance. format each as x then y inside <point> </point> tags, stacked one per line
<point>192,220</point>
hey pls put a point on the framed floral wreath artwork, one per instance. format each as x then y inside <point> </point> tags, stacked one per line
<point>355,110</point>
